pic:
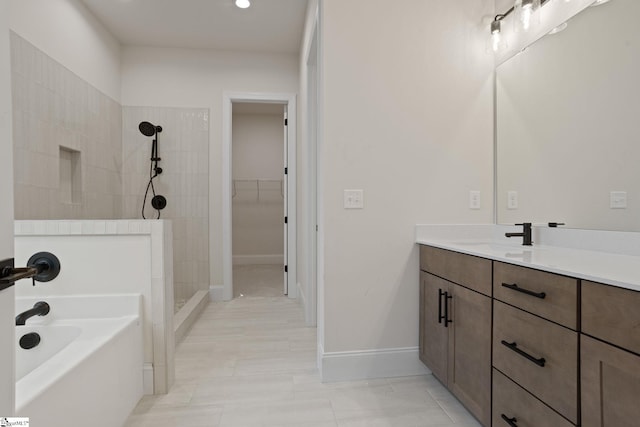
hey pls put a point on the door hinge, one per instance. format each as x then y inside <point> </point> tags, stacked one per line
<point>286,219</point>
<point>286,268</point>
<point>286,122</point>
<point>286,171</point>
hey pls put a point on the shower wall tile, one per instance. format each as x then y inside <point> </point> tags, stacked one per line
<point>53,107</point>
<point>183,146</point>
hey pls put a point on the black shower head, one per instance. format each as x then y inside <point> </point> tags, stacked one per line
<point>148,129</point>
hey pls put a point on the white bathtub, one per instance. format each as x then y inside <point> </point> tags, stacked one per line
<point>88,368</point>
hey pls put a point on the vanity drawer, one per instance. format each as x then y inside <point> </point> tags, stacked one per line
<point>611,314</point>
<point>512,401</point>
<point>541,356</point>
<point>467,270</point>
<point>548,295</point>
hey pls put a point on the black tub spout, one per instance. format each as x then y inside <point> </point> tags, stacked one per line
<point>40,308</point>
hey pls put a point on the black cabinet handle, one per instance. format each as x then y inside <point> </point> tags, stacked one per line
<point>447,297</point>
<point>516,288</point>
<point>513,422</point>
<point>513,346</point>
<point>440,316</point>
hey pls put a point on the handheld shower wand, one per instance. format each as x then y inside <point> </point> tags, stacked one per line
<point>158,202</point>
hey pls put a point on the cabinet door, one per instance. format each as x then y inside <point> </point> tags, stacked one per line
<point>432,329</point>
<point>469,371</point>
<point>610,385</point>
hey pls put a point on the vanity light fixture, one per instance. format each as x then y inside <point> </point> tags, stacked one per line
<point>243,4</point>
<point>526,15</point>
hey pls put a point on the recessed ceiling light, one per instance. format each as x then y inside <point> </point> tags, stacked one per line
<point>243,4</point>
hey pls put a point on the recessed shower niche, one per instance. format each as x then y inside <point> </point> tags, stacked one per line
<point>70,176</point>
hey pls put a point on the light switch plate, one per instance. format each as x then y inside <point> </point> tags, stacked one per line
<point>474,199</point>
<point>512,199</point>
<point>354,199</point>
<point>618,200</point>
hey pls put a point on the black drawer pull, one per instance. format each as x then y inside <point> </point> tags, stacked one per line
<point>515,287</point>
<point>447,297</point>
<point>513,346</point>
<point>511,421</point>
<point>440,316</point>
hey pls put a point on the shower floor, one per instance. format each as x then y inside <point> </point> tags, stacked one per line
<point>258,281</point>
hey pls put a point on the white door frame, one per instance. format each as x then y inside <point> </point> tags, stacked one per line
<point>288,99</point>
<point>311,294</point>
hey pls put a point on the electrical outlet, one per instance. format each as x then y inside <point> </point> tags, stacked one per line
<point>618,200</point>
<point>512,199</point>
<point>474,200</point>
<point>354,199</point>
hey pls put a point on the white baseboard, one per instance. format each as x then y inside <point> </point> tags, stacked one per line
<point>258,259</point>
<point>216,293</point>
<point>369,364</point>
<point>147,378</point>
<point>184,319</point>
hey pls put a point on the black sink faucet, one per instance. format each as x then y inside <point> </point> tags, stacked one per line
<point>40,308</point>
<point>526,234</point>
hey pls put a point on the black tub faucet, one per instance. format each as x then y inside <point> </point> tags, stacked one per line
<point>526,234</point>
<point>40,308</point>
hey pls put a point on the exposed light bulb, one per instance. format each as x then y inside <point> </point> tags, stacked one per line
<point>496,41</point>
<point>526,14</point>
<point>495,35</point>
<point>243,4</point>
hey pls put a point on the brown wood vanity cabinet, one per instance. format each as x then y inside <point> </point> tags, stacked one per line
<point>610,356</point>
<point>560,353</point>
<point>535,342</point>
<point>455,325</point>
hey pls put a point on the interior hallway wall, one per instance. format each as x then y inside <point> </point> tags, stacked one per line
<point>197,78</point>
<point>258,203</point>
<point>408,114</point>
<point>183,146</point>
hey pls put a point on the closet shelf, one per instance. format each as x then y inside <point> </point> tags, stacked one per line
<point>258,186</point>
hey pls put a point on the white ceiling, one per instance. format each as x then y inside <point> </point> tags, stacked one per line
<point>267,26</point>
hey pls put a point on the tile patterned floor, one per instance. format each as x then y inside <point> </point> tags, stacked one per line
<point>258,280</point>
<point>252,362</point>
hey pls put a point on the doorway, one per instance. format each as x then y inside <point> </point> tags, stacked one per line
<point>261,192</point>
<point>258,153</point>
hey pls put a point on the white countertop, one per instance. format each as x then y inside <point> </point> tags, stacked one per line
<point>488,241</point>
